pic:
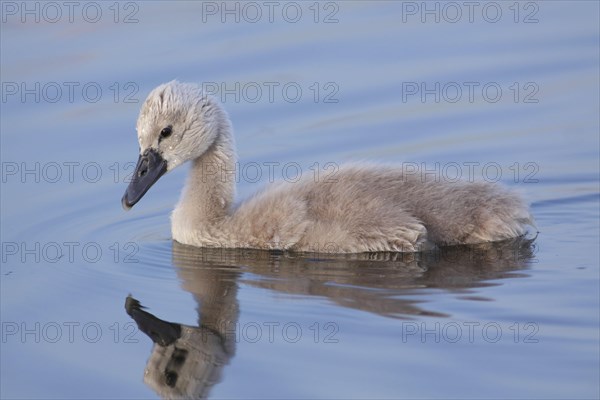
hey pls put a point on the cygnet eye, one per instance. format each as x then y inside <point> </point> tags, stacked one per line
<point>166,132</point>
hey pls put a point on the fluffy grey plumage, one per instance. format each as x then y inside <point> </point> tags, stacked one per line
<point>367,208</point>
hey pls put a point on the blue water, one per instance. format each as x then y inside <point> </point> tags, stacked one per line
<point>510,97</point>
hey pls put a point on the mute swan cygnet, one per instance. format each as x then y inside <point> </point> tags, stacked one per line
<point>366,208</point>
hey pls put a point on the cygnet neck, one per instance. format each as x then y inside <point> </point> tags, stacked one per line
<point>210,188</point>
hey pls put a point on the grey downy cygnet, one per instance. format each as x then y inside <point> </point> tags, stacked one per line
<point>366,208</point>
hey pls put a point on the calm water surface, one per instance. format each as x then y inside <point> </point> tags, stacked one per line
<point>509,97</point>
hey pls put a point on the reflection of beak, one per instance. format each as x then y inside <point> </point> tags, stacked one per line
<point>150,167</point>
<point>161,332</point>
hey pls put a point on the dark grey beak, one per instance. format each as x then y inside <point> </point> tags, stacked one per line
<point>150,167</point>
<point>161,332</point>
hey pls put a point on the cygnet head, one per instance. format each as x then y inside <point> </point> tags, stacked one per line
<point>177,123</point>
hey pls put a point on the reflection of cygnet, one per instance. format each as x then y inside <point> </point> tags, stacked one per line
<point>363,208</point>
<point>185,361</point>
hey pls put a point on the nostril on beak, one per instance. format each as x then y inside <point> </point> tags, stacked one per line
<point>144,169</point>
